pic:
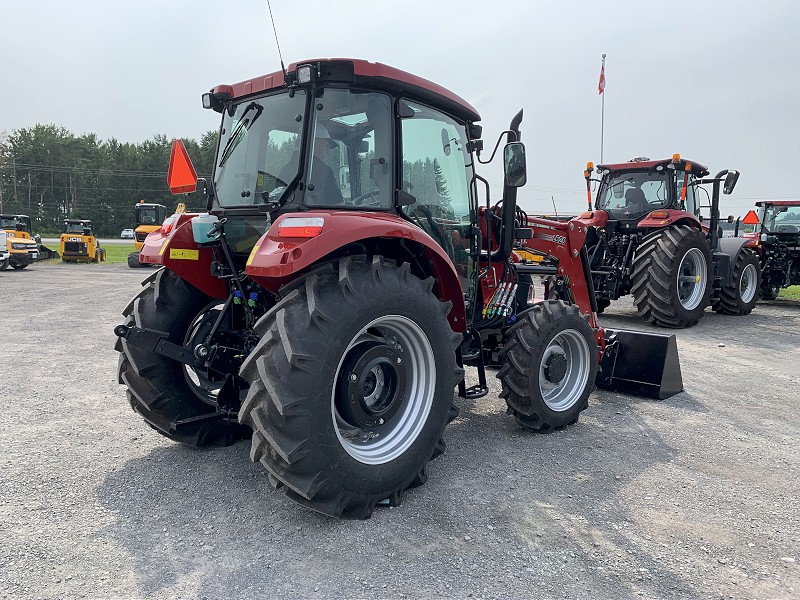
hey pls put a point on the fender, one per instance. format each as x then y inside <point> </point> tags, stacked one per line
<point>276,260</point>
<point>731,246</point>
<point>177,251</point>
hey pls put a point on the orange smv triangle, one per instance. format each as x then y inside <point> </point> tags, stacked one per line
<point>751,218</point>
<point>181,178</point>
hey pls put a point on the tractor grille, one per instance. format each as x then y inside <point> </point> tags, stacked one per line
<point>140,236</point>
<point>75,247</point>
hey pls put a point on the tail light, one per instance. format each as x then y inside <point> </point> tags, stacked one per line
<point>168,224</point>
<point>300,227</point>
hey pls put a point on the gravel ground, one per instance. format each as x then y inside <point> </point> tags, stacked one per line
<point>691,497</point>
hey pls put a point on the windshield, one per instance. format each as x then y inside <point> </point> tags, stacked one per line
<point>76,227</point>
<point>782,215</point>
<point>11,223</point>
<point>259,150</point>
<point>632,194</point>
<point>147,215</point>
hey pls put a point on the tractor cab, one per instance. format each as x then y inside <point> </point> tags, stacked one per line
<point>345,137</point>
<point>631,191</point>
<point>78,227</point>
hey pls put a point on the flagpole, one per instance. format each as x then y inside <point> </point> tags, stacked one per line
<point>603,109</point>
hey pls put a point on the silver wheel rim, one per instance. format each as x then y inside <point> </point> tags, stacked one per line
<point>692,279</point>
<point>403,428</point>
<point>747,283</point>
<point>561,391</point>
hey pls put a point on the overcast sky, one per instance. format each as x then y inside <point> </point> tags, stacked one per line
<point>717,81</point>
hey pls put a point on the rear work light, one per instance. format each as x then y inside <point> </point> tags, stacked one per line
<point>301,227</point>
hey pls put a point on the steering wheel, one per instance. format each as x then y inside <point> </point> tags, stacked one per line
<point>434,229</point>
<point>358,200</point>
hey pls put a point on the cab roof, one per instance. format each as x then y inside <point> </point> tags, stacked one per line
<point>363,73</point>
<point>778,203</point>
<point>645,164</point>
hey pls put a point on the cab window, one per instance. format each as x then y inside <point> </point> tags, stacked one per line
<point>436,171</point>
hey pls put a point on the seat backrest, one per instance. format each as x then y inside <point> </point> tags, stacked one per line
<point>635,198</point>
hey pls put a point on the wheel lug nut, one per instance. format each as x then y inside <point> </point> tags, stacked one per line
<point>399,360</point>
<point>353,376</point>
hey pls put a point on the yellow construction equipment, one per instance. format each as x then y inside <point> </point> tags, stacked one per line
<point>79,244</point>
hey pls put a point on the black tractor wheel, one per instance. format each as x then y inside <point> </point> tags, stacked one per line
<point>770,291</point>
<point>4,264</point>
<point>165,392</point>
<point>133,260</point>
<point>549,366</point>
<point>351,386</point>
<point>741,295</point>
<point>671,277</point>
<point>20,266</point>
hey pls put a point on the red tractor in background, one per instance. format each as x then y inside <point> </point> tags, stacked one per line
<point>648,238</point>
<point>776,241</point>
<point>350,261</point>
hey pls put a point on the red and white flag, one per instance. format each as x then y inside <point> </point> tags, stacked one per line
<point>602,85</point>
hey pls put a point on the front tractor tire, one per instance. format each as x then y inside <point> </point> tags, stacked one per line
<point>549,366</point>
<point>671,277</point>
<point>741,295</point>
<point>160,389</point>
<point>133,260</point>
<point>351,386</point>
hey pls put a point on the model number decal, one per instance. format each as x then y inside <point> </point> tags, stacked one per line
<point>184,254</point>
<point>558,239</point>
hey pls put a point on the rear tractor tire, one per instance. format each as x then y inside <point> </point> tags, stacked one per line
<point>160,389</point>
<point>133,260</point>
<point>351,386</point>
<point>741,295</point>
<point>671,277</point>
<point>549,366</point>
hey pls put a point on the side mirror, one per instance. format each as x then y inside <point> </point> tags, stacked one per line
<point>514,164</point>
<point>730,182</point>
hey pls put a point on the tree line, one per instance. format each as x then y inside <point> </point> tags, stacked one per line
<point>50,174</point>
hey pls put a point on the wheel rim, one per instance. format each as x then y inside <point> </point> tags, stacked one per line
<point>564,370</point>
<point>201,382</point>
<point>385,384</point>
<point>692,279</point>
<point>747,283</point>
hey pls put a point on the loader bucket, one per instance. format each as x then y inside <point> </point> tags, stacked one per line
<point>46,253</point>
<point>643,364</point>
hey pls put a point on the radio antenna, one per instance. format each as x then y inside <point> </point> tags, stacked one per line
<point>275,31</point>
<point>553,199</point>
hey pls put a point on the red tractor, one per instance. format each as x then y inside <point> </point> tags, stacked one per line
<point>776,240</point>
<point>647,237</point>
<point>350,261</point>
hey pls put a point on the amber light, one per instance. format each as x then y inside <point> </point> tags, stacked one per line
<point>659,214</point>
<point>301,227</point>
<point>587,215</point>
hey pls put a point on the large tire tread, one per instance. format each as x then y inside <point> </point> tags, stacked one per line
<point>730,300</point>
<point>654,277</point>
<point>156,387</point>
<point>284,425</point>
<point>521,358</point>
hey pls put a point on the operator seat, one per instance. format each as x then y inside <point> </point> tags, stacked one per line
<point>635,200</point>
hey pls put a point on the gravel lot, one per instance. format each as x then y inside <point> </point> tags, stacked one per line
<point>696,496</point>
